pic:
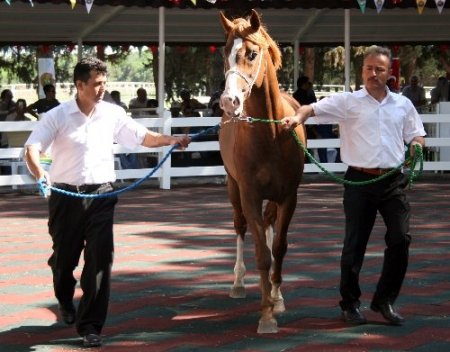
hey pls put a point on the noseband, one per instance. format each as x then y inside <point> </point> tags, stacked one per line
<point>250,82</point>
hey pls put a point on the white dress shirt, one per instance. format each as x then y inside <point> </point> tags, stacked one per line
<point>82,146</point>
<point>372,133</point>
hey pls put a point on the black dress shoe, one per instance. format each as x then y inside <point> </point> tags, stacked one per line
<point>92,340</point>
<point>388,312</point>
<point>353,316</point>
<point>67,312</point>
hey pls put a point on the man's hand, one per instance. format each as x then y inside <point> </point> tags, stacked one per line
<point>290,122</point>
<point>44,184</point>
<point>182,141</point>
<point>301,115</point>
<point>412,148</point>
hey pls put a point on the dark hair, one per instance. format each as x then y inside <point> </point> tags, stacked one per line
<point>48,87</point>
<point>5,92</point>
<point>20,102</point>
<point>115,93</point>
<point>302,80</point>
<point>82,70</point>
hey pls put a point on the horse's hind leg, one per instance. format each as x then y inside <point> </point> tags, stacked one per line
<point>240,226</point>
<point>270,215</point>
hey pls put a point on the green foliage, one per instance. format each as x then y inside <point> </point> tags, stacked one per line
<point>200,68</point>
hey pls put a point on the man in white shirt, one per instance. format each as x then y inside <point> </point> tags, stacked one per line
<point>82,132</point>
<point>374,124</point>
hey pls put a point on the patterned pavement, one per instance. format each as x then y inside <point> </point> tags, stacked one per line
<point>173,269</point>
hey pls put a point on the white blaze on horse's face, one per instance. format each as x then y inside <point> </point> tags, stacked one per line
<point>232,99</point>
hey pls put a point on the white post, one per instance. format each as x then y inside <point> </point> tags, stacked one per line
<point>296,57</point>
<point>161,61</point>
<point>164,181</point>
<point>347,49</point>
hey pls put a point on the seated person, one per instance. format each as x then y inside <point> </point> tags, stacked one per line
<point>115,96</point>
<point>139,102</point>
<point>188,108</point>
<point>44,104</point>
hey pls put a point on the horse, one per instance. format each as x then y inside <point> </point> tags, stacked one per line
<point>263,162</point>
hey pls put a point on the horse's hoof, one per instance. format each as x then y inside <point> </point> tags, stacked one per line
<point>278,306</point>
<point>237,292</point>
<point>267,326</point>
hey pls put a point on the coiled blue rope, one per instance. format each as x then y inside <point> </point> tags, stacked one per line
<point>45,189</point>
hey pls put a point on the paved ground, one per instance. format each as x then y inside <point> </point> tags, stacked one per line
<point>173,269</point>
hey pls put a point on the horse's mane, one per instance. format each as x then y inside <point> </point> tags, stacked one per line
<point>243,29</point>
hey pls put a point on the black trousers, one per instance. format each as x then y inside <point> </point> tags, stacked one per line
<point>361,204</point>
<point>76,224</point>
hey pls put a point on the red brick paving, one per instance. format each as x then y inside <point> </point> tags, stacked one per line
<point>173,269</point>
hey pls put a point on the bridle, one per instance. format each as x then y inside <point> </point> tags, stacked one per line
<point>250,82</point>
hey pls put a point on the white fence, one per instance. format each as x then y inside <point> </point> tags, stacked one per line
<point>438,142</point>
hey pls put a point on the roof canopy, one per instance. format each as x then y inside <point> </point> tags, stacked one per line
<point>312,22</point>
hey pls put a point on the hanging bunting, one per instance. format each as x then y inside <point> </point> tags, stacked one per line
<point>8,2</point>
<point>89,4</point>
<point>440,5</point>
<point>73,3</point>
<point>31,3</point>
<point>420,5</point>
<point>194,2</point>
<point>211,1</point>
<point>362,5</point>
<point>379,5</point>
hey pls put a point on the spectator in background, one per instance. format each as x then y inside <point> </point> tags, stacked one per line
<point>20,113</point>
<point>305,95</point>
<point>441,91</point>
<point>215,97</point>
<point>45,104</point>
<point>391,84</point>
<point>326,131</point>
<point>152,103</point>
<point>415,93</point>
<point>140,102</point>
<point>115,96</point>
<point>214,101</point>
<point>7,104</point>
<point>189,107</point>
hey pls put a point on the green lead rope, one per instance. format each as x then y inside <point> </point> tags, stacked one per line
<point>410,162</point>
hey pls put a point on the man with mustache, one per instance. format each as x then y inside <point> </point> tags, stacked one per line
<point>374,124</point>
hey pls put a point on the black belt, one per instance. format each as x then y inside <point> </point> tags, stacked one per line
<point>87,188</point>
<point>375,171</point>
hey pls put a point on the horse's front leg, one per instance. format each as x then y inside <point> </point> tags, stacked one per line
<point>263,255</point>
<point>240,226</point>
<point>270,216</point>
<point>279,249</point>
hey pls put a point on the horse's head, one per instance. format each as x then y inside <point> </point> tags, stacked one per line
<point>245,60</point>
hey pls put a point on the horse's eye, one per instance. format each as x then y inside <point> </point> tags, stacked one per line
<point>252,55</point>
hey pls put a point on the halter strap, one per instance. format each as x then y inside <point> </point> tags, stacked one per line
<point>247,80</point>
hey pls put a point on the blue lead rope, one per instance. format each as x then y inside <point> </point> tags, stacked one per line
<point>45,189</point>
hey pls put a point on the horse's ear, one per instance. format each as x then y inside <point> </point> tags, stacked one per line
<point>226,23</point>
<point>255,21</point>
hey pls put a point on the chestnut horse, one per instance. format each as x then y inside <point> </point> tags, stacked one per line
<point>263,162</point>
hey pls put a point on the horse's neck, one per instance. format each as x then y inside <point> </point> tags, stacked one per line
<point>266,101</point>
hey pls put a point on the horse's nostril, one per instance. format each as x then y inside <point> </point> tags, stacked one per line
<point>236,101</point>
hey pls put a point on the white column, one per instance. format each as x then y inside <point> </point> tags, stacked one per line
<point>347,49</point>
